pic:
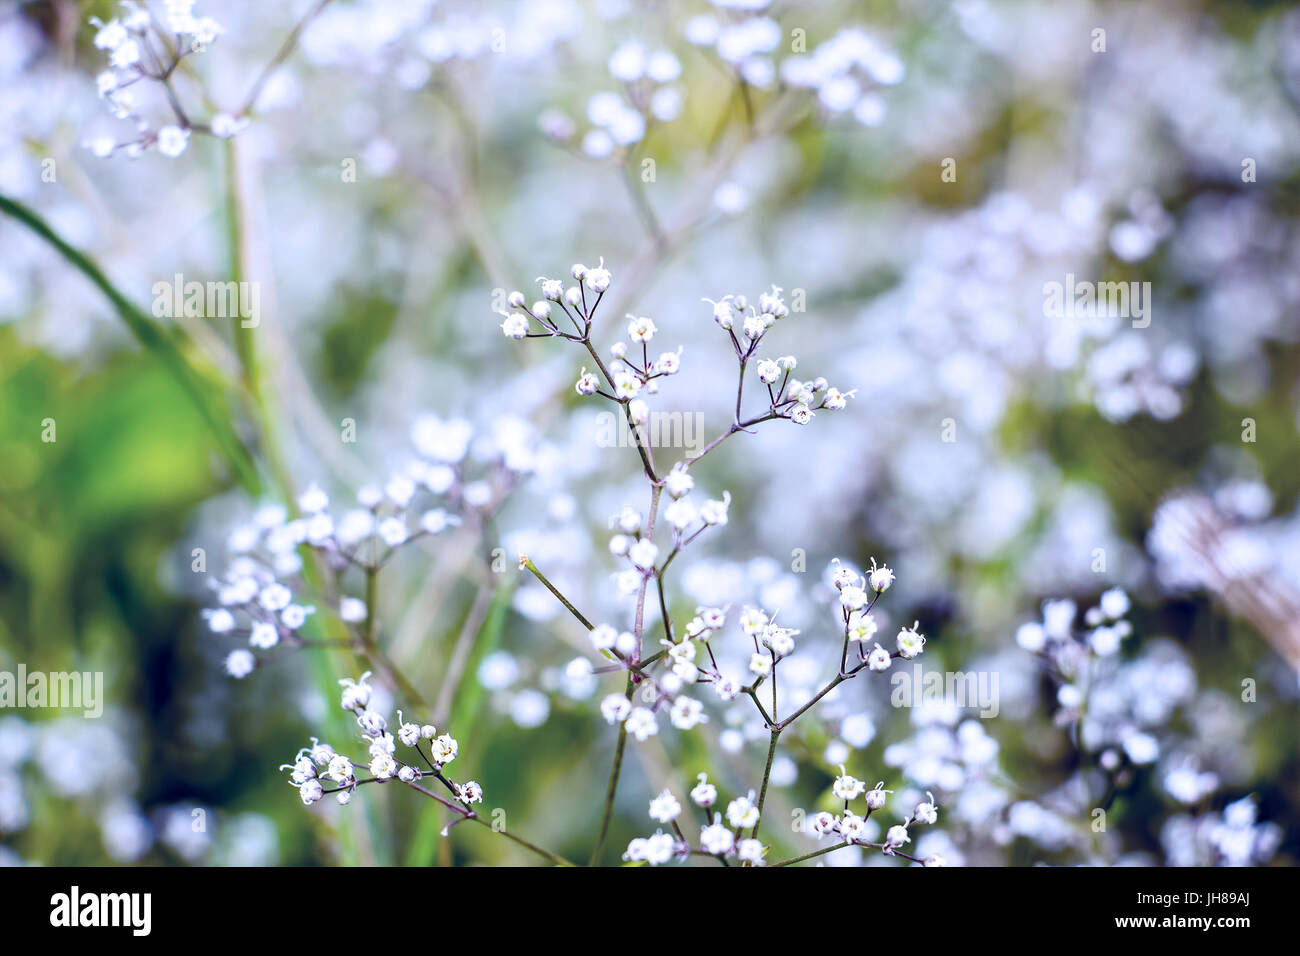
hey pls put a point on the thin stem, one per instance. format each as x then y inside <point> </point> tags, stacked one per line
<point>767,774</point>
<point>285,51</point>
<point>808,856</point>
<point>527,564</point>
<point>612,787</point>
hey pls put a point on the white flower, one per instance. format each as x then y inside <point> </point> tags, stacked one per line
<point>240,663</point>
<point>678,483</point>
<point>264,635</point>
<point>681,514</point>
<point>751,851</point>
<point>436,520</point>
<point>603,637</point>
<point>372,723</point>
<point>716,839</point>
<point>469,792</point>
<point>598,279</point>
<point>926,811</point>
<point>768,371</point>
<point>771,303</point>
<point>742,812</point>
<point>587,384</point>
<point>340,769</point>
<point>897,836</point>
<point>723,312</point>
<point>172,140</point>
<point>409,774</point>
<point>615,708</point>
<point>643,554</point>
<point>313,500</point>
<point>295,616</point>
<point>801,415</point>
<point>641,329</point>
<point>752,620</point>
<point>443,749</point>
<point>1114,603</point>
<point>933,859</point>
<point>220,621</point>
<point>880,578</point>
<point>225,126</point>
<point>819,824</point>
<point>1031,636</point>
<point>727,687</point>
<point>408,733</point>
<point>853,827</point>
<point>641,724</point>
<point>862,626</point>
<point>311,791</point>
<point>686,712</point>
<point>515,326</point>
<point>910,641</point>
<point>393,531</point>
<point>847,787</point>
<point>704,794</point>
<point>552,289</point>
<point>665,807</point>
<point>876,797</point>
<point>626,385</point>
<point>879,659</point>
<point>356,694</point>
<point>383,766</point>
<point>853,597</point>
<point>760,665</point>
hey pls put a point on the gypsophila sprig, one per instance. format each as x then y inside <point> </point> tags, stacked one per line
<point>669,680</point>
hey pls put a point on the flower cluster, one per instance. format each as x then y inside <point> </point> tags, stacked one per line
<point>853,829</point>
<point>319,769</point>
<point>720,834</point>
<point>620,120</point>
<point>260,593</point>
<point>142,51</point>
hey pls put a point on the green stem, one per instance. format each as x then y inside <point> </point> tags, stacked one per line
<point>809,856</point>
<point>612,787</point>
<point>767,774</point>
<point>156,339</point>
<point>525,562</point>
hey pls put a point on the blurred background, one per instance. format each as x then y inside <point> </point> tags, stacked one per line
<point>915,171</point>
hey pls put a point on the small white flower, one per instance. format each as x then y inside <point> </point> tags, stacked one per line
<point>897,836</point>
<point>443,749</point>
<point>880,578</point>
<point>687,712</point>
<point>853,597</point>
<point>587,384</point>
<point>598,279</point>
<point>643,554</point>
<point>515,326</point>
<point>383,766</point>
<point>264,635</point>
<point>641,329</point>
<point>665,807</point>
<point>311,791</point>
<point>751,851</point>
<point>678,483</point>
<point>877,796</point>
<point>853,827</point>
<point>172,140</point>
<point>847,787</point>
<point>356,694</point>
<point>352,610</point>
<point>879,659</point>
<point>615,708</point>
<point>469,792</point>
<point>925,811</point>
<point>742,812</point>
<point>393,531</point>
<point>910,641</point>
<point>1114,603</point>
<point>641,724</point>
<point>862,626</point>
<point>220,621</point>
<point>240,663</point>
<point>716,839</point>
<point>704,794</point>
